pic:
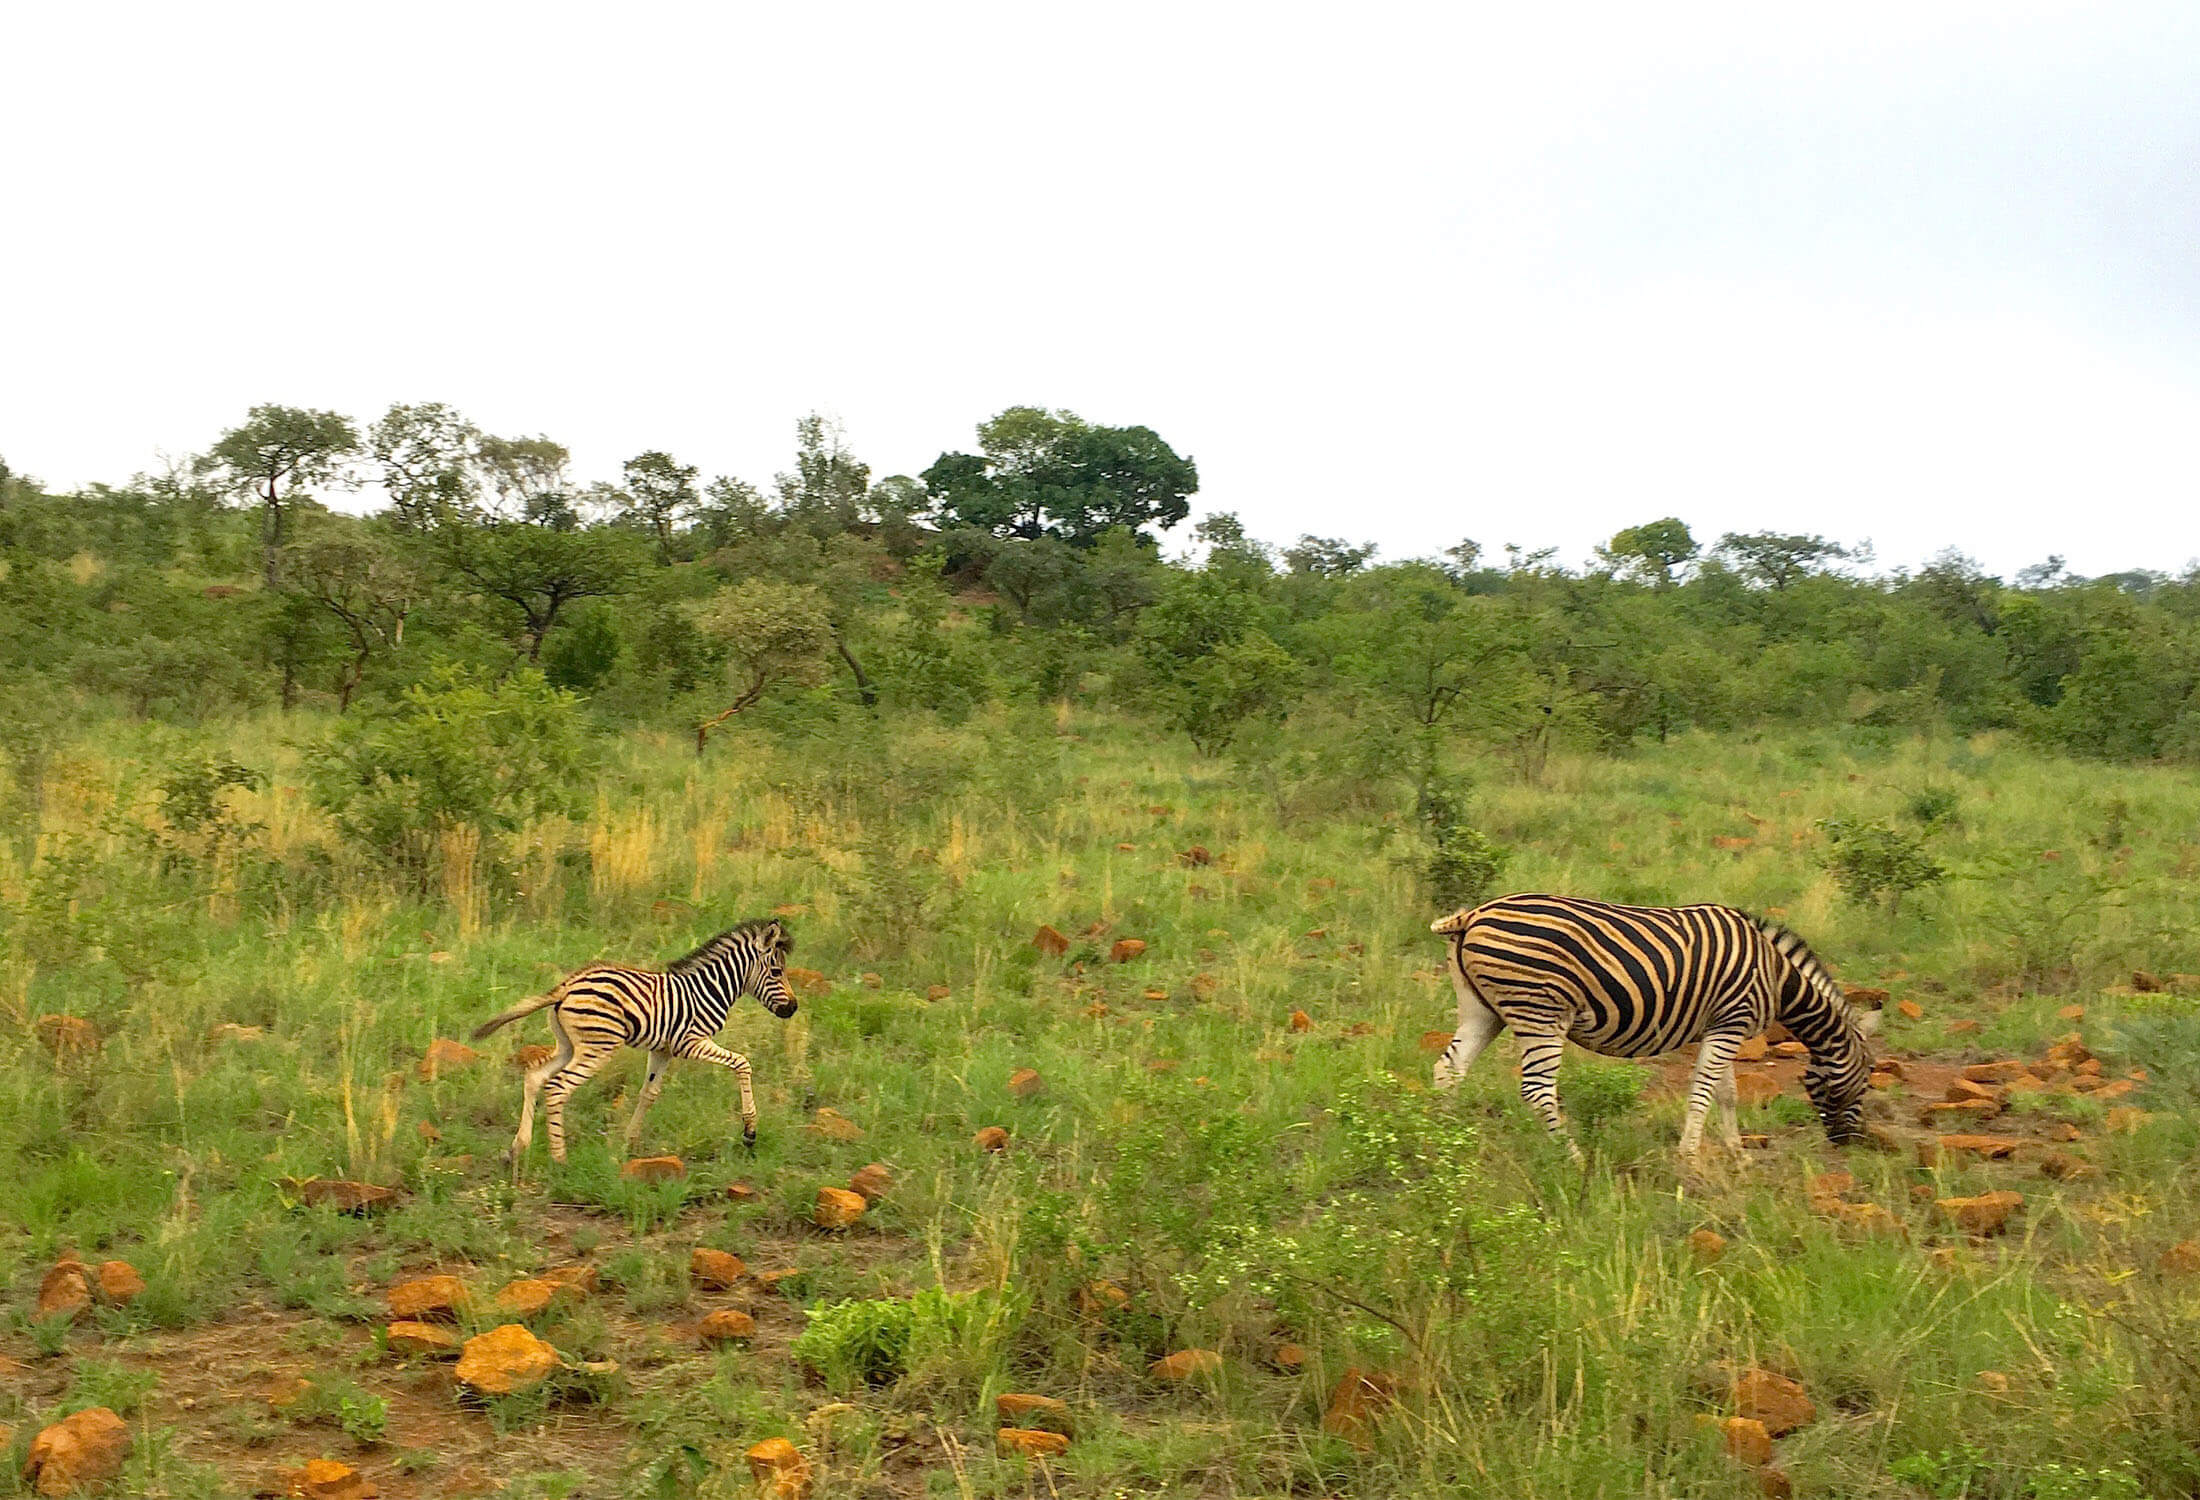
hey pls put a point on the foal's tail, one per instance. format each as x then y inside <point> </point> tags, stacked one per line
<point>524,1008</point>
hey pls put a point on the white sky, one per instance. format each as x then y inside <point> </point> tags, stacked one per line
<point>1927,274</point>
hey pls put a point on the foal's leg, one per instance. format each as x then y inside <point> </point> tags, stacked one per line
<point>593,1054</point>
<point>532,1087</point>
<point>658,1062</point>
<point>705,1050</point>
<point>1730,1124</point>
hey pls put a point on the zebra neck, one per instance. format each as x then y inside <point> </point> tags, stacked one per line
<point>1818,1022</point>
<point>710,990</point>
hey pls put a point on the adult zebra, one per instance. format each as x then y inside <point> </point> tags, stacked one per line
<point>1630,981</point>
<point>670,1013</point>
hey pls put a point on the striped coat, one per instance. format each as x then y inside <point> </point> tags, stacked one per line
<point>668,1013</point>
<point>1633,981</point>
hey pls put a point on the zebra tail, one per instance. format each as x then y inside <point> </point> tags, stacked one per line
<point>524,1008</point>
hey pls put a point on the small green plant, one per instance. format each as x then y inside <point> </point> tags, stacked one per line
<point>1934,807</point>
<point>877,1342</point>
<point>119,1387</point>
<point>363,1416</point>
<point>1460,864</point>
<point>1872,862</point>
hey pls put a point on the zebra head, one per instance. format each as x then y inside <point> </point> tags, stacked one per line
<point>768,976</point>
<point>1838,1078</point>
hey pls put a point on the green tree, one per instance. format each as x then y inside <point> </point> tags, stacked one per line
<point>772,634</point>
<point>1042,472</point>
<point>427,455</point>
<point>1654,552</point>
<point>660,497</point>
<point>528,475</point>
<point>1327,556</point>
<point>539,570</point>
<point>365,584</point>
<point>277,456</point>
<point>1777,559</point>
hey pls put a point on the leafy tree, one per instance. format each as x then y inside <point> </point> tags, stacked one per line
<point>528,475</point>
<point>1044,472</point>
<point>277,456</point>
<point>772,634</point>
<point>1871,861</point>
<point>660,497</point>
<point>826,492</point>
<point>1327,556</point>
<point>539,570</point>
<point>365,584</point>
<point>1655,552</point>
<point>427,456</point>
<point>1777,559</point>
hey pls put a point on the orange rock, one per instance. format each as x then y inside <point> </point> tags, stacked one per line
<point>429,1297</point>
<point>1963,1090</point>
<point>1963,1027</point>
<point>527,1297</point>
<point>1986,1214</point>
<point>654,1169</point>
<point>725,1325</point>
<point>504,1360</point>
<point>1791,1050</point>
<point>1095,1011</point>
<point>1870,1218</point>
<point>82,1452</point>
<point>1747,1441</point>
<point>326,1479</point>
<point>2006,1071</point>
<point>66,1291</point>
<point>742,1192</point>
<point>2125,1121</point>
<point>2064,1167</point>
<point>1833,1184</point>
<point>2180,1259</point>
<point>67,1035</point>
<point>2071,1013</point>
<point>1029,1442</point>
<point>1025,1083</point>
<point>1865,998</point>
<point>1756,1088</point>
<point>1196,856</point>
<point>1993,1147</point>
<point>445,1056</point>
<point>1911,1009</point>
<point>1098,1298</point>
<point>1125,950</point>
<point>343,1196</point>
<point>835,1126</point>
<point>872,1182</point>
<point>1204,986</point>
<point>937,992</point>
<point>1185,1365</point>
<point>580,1277</point>
<point>2146,983</point>
<point>1752,1049</point>
<point>837,1208</point>
<point>406,1337</point>
<point>1301,1021</point>
<point>1883,1080</point>
<point>1290,1358</point>
<point>2115,1090</point>
<point>1890,1065</point>
<point>532,1056</point>
<point>1050,942</point>
<point>1993,1382</point>
<point>808,982</point>
<point>780,1471</point>
<point>2063,1130</point>
<point>1431,1041</point>
<point>1774,1484</point>
<point>1016,1409</point>
<point>992,1138</point>
<point>1707,1245</point>
<point>715,1270</point>
<point>1773,1399</point>
<point>120,1283</point>
<point>1355,1402</point>
<point>426,1131</point>
<point>871,981</point>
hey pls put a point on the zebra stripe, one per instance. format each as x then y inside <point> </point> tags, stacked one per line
<point>668,1013</point>
<point>1633,981</point>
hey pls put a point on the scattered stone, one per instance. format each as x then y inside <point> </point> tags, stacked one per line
<point>2071,1013</point>
<point>1290,1358</point>
<point>2063,1130</point>
<point>1752,1049</point>
<point>1125,950</point>
<point>1357,1399</point>
<point>326,1479</point>
<point>65,1036</point>
<point>1890,1065</point>
<point>1205,986</point>
<point>1791,1049</point>
<point>1756,1088</point>
<point>1095,1011</point>
<point>1431,1041</point>
<point>1025,1083</point>
<point>1965,1027</point>
<point>1943,1258</point>
<point>66,1291</point>
<point>2180,1259</point>
<point>1992,1147</point>
<point>504,1360</point>
<point>2069,1051</point>
<point>1993,1382</point>
<point>1774,1484</point>
<point>344,1196</point>
<point>1707,1245</point>
<point>2064,1167</point>
<point>872,1182</point>
<point>444,1056</point>
<point>1755,1141</point>
<point>1773,1399</point>
<point>527,1297</point>
<point>1986,1214</point>
<point>837,1208</point>
<point>82,1452</point>
<point>1747,1441</point>
<point>2146,983</point>
<point>654,1169</point>
<point>1871,1218</point>
<point>1301,1021</point>
<point>1050,942</point>
<point>808,982</point>
<point>407,1337</point>
<point>1882,1081</point>
<point>780,1471</point>
<point>725,1325</point>
<point>427,1132</point>
<point>835,1126</point>
<point>2115,1090</point>
<point>1962,1089</point>
<point>1098,1298</point>
<point>742,1192</point>
<point>1196,856</point>
<point>937,992</point>
<point>871,981</point>
<point>429,1297</point>
<point>1030,1443</point>
<point>580,1276</point>
<point>1923,1191</point>
<point>532,1056</point>
<point>230,1031</point>
<point>1865,998</point>
<point>2125,1121</point>
<point>1016,1409</point>
<point>715,1270</point>
<point>1911,1009</point>
<point>991,1138</point>
<point>120,1283</point>
<point>1833,1184</point>
<point>1185,1365</point>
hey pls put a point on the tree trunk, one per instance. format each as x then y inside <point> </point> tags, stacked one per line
<point>271,538</point>
<point>863,684</point>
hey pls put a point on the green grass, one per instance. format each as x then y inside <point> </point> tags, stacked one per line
<point>1554,1334</point>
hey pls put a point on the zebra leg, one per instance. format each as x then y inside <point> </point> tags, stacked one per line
<point>562,1084</point>
<point>658,1062</point>
<point>1714,1062</point>
<point>702,1049</point>
<point>1477,1025</point>
<point>1539,1055</point>
<point>1730,1124</point>
<point>533,1087</point>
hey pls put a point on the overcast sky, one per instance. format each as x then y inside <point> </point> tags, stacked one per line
<point>1927,274</point>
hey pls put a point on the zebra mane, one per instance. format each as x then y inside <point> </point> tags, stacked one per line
<point>716,947</point>
<point>1790,946</point>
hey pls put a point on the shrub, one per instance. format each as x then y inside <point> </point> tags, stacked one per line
<point>1870,861</point>
<point>881,1341</point>
<point>1461,863</point>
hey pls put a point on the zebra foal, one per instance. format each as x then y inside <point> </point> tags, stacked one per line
<point>1632,981</point>
<point>673,1012</point>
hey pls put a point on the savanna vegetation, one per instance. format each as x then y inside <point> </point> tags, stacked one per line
<point>291,795</point>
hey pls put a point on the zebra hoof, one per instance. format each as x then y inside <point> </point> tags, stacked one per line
<point>748,1141</point>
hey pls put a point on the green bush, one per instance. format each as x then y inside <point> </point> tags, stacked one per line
<point>1871,861</point>
<point>881,1341</point>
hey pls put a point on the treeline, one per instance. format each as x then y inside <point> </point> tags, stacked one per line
<point>1027,569</point>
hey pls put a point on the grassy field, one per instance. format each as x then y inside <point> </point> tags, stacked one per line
<point>1539,1330</point>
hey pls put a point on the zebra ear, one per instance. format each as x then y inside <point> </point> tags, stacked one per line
<point>782,939</point>
<point>1867,1021</point>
